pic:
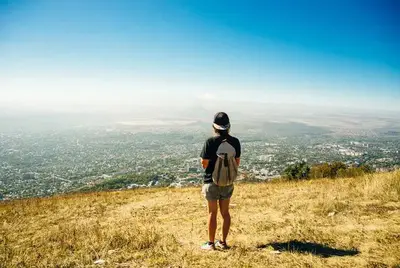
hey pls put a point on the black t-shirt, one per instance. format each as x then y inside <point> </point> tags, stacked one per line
<point>209,152</point>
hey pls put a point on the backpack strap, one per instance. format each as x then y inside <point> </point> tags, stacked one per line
<point>227,165</point>
<point>219,170</point>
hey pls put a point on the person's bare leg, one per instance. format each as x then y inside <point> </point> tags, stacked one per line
<point>212,219</point>
<point>224,209</point>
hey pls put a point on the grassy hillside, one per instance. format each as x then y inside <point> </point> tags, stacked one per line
<point>317,223</point>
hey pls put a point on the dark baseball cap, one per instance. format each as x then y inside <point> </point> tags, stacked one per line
<point>221,121</point>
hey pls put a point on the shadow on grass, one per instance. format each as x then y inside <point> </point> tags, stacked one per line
<point>307,247</point>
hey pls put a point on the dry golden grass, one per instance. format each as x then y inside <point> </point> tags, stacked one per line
<point>164,227</point>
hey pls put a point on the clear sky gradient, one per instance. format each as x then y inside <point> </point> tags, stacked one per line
<point>80,53</point>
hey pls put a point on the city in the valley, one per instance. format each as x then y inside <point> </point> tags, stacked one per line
<point>48,161</point>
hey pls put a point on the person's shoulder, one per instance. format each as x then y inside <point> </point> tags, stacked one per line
<point>234,139</point>
<point>211,139</point>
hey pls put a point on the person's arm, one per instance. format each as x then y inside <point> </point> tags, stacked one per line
<point>205,155</point>
<point>238,152</point>
<point>204,162</point>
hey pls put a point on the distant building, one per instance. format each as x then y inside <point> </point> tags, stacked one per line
<point>28,176</point>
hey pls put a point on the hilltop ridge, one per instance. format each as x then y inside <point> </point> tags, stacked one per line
<point>351,222</point>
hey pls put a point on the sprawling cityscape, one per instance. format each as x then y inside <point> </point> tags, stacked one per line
<point>49,162</point>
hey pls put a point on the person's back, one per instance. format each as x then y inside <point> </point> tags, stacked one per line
<point>216,194</point>
<point>210,150</point>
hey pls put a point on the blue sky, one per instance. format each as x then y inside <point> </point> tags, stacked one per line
<point>80,52</point>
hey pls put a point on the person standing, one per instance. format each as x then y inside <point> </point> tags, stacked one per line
<point>220,157</point>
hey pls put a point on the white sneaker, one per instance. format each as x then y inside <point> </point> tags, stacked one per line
<point>208,246</point>
<point>221,245</point>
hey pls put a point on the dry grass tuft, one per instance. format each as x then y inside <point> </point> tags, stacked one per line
<point>317,223</point>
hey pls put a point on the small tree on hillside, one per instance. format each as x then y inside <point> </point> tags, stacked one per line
<point>320,171</point>
<point>337,168</point>
<point>297,171</point>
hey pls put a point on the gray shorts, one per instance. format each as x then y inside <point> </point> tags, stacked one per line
<point>211,191</point>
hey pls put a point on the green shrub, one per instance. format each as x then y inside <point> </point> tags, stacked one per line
<point>297,171</point>
<point>338,170</point>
